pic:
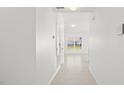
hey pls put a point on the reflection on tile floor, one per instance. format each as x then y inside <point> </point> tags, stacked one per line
<point>75,71</point>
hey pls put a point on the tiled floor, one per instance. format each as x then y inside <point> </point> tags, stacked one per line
<point>75,71</point>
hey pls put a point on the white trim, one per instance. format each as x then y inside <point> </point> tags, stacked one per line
<point>53,76</point>
<point>92,72</point>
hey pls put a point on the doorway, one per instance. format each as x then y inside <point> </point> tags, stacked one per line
<point>73,32</point>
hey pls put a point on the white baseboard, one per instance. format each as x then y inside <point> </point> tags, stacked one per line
<point>93,74</point>
<point>53,76</point>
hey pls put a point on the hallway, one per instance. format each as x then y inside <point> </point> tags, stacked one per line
<point>75,71</point>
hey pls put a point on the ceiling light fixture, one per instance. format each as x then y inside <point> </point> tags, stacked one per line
<point>73,25</point>
<point>73,8</point>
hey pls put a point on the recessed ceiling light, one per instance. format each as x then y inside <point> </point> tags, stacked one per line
<point>73,25</point>
<point>73,8</point>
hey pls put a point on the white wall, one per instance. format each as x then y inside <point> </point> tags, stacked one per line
<point>45,44</point>
<point>27,47</point>
<point>106,47</point>
<point>17,45</point>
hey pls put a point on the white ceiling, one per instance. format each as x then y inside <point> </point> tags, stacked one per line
<point>80,9</point>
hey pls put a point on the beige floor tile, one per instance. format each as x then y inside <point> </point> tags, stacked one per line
<point>75,71</point>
